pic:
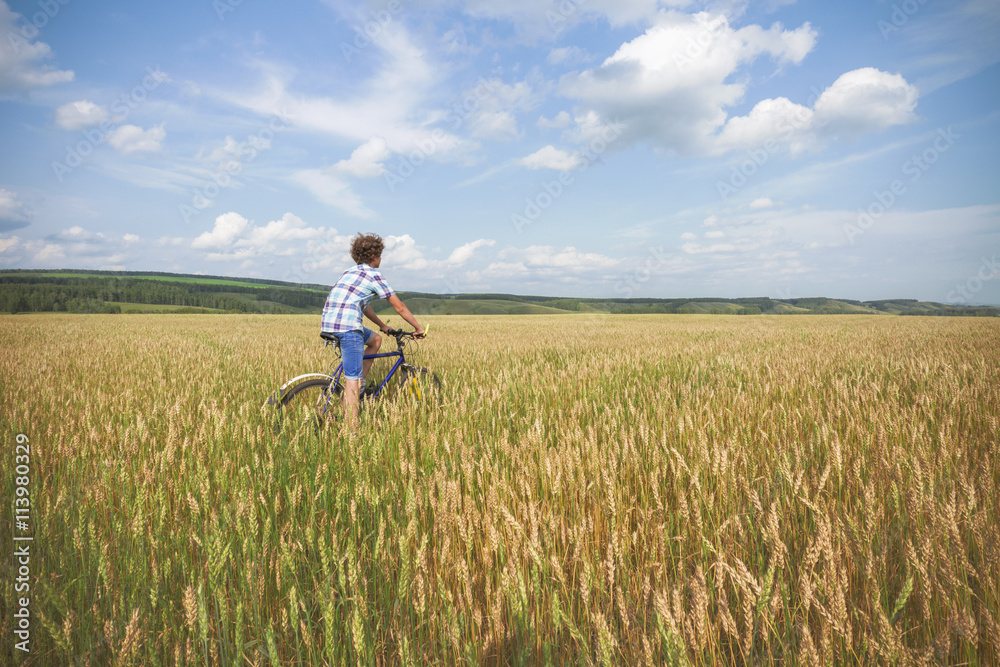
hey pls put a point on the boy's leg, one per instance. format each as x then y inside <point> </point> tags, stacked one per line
<point>351,388</point>
<point>351,351</point>
<point>373,342</point>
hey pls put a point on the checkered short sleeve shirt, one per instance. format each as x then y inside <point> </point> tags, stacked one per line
<point>345,306</point>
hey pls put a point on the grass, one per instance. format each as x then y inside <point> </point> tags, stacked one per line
<point>653,490</point>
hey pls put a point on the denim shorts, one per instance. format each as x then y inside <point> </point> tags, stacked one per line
<point>352,350</point>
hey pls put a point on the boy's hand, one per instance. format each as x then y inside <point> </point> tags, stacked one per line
<point>384,328</point>
<point>419,333</point>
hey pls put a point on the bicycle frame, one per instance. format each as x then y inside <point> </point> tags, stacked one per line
<point>339,373</point>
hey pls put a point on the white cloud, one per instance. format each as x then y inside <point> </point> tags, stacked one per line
<point>391,104</point>
<point>761,202</point>
<point>288,228</point>
<point>553,260</point>
<point>402,251</point>
<point>228,227</point>
<point>568,56</point>
<point>671,85</point>
<point>496,107</point>
<point>21,58</point>
<point>77,234</point>
<point>858,102</point>
<point>74,246</point>
<point>462,254</point>
<point>333,191</point>
<point>13,212</point>
<point>863,100</point>
<point>9,244</point>
<point>562,120</point>
<point>551,157</point>
<point>771,122</point>
<point>133,139</point>
<point>366,160</point>
<point>234,238</point>
<point>80,114</point>
<point>231,150</point>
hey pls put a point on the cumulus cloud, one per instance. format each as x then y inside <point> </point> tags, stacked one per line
<point>671,85</point>
<point>133,139</point>
<point>863,100</point>
<point>858,102</point>
<point>73,246</point>
<point>497,104</point>
<point>464,253</point>
<point>14,213</point>
<point>761,202</point>
<point>227,228</point>
<point>562,120</point>
<point>234,238</point>
<point>551,157</point>
<point>552,263</point>
<point>9,244</point>
<point>289,227</point>
<point>366,160</point>
<point>402,252</point>
<point>80,114</point>
<point>22,60</point>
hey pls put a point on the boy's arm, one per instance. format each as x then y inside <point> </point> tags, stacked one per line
<point>405,313</point>
<point>370,314</point>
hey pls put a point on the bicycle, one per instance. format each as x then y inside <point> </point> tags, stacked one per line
<point>321,394</point>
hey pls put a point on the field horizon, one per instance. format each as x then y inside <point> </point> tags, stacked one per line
<point>131,292</point>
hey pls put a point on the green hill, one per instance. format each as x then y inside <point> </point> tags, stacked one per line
<point>142,291</point>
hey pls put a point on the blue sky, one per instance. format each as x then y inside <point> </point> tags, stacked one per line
<point>629,148</point>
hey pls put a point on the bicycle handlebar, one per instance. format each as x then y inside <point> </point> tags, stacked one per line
<point>399,333</point>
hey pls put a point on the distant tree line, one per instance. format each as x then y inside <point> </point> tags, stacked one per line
<point>168,276</point>
<point>953,311</point>
<point>37,293</point>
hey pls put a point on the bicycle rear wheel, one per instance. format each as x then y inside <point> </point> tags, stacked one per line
<point>313,402</point>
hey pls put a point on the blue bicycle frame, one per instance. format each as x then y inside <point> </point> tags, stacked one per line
<point>338,374</point>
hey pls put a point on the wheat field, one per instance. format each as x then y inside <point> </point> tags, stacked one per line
<point>590,490</point>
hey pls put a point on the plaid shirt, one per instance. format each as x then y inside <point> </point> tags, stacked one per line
<point>345,307</point>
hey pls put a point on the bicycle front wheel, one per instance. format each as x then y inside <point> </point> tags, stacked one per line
<point>420,385</point>
<point>316,401</point>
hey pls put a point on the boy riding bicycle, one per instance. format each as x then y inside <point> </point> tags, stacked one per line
<point>343,316</point>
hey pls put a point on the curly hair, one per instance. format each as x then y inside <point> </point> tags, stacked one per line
<point>365,248</point>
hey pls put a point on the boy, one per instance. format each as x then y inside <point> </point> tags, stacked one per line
<point>342,316</point>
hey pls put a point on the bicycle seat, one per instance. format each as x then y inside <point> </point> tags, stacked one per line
<point>329,337</point>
